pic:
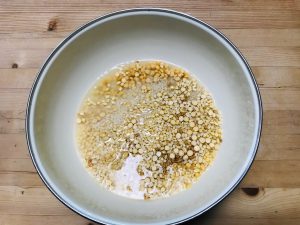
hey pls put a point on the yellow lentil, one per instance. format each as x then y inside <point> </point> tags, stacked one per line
<point>151,111</point>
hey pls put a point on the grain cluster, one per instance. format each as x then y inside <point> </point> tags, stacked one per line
<point>153,115</point>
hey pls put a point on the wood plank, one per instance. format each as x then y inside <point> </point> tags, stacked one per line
<point>252,19</point>
<point>276,122</point>
<point>282,77</point>
<point>19,54</point>
<point>272,56</point>
<point>281,173</point>
<point>13,103</point>
<point>263,37</point>
<point>17,78</point>
<point>297,4</point>
<point>13,122</point>
<point>267,203</point>
<point>23,22</point>
<point>279,147</point>
<point>240,37</point>
<point>16,165</point>
<point>203,220</point>
<point>260,52</point>
<point>13,100</point>
<point>280,98</point>
<point>256,56</point>
<point>277,77</point>
<point>79,6</point>
<point>24,58</point>
<point>31,43</point>
<point>263,173</point>
<point>281,122</point>
<point>13,146</point>
<point>272,147</point>
<point>73,219</point>
<point>280,137</point>
<point>15,200</point>
<point>26,179</point>
<point>78,220</point>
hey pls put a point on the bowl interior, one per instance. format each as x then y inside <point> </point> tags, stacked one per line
<point>124,37</point>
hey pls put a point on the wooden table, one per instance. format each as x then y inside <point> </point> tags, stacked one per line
<point>268,34</point>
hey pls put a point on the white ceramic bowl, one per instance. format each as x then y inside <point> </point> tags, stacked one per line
<point>124,36</point>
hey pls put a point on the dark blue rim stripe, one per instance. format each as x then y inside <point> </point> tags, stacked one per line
<point>128,11</point>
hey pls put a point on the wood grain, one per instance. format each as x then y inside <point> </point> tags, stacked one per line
<point>24,22</point>
<point>267,205</point>
<point>20,172</point>
<point>274,99</point>
<point>33,57</point>
<point>78,5</point>
<point>267,33</point>
<point>77,220</point>
<point>282,77</point>
<point>280,146</point>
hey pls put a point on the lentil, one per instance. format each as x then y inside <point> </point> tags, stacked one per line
<point>147,128</point>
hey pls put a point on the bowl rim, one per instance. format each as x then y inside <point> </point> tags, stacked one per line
<point>129,11</point>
